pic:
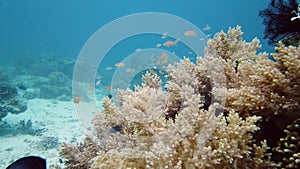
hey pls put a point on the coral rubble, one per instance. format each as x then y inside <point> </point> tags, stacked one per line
<point>209,114</point>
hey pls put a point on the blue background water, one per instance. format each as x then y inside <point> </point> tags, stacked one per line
<point>35,27</point>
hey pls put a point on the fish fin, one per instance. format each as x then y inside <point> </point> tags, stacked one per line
<point>29,162</point>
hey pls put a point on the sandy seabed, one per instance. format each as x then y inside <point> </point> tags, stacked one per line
<point>59,119</point>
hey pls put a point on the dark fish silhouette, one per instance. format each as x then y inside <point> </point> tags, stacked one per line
<point>29,162</point>
<point>109,96</point>
<point>117,128</point>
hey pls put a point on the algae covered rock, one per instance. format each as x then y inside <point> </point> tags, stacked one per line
<point>58,84</point>
<point>44,65</point>
<point>10,101</point>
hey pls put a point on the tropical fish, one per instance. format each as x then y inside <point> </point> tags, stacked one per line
<point>128,70</point>
<point>138,49</point>
<point>158,62</point>
<point>206,28</point>
<point>108,87</point>
<point>164,55</point>
<point>109,68</point>
<point>77,99</point>
<point>171,43</point>
<point>161,72</point>
<point>120,64</point>
<point>29,162</point>
<point>152,72</point>
<point>165,35</point>
<point>190,33</point>
<point>109,96</point>
<point>92,87</point>
<point>164,61</point>
<point>115,129</point>
<point>158,45</point>
<point>98,82</point>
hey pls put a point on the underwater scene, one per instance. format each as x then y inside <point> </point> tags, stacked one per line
<point>133,84</point>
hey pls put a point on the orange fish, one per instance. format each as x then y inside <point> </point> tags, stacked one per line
<point>190,33</point>
<point>161,72</point>
<point>108,87</point>
<point>158,62</point>
<point>128,70</point>
<point>164,61</point>
<point>77,99</point>
<point>164,55</point>
<point>120,65</point>
<point>92,87</point>
<point>171,43</point>
<point>152,72</point>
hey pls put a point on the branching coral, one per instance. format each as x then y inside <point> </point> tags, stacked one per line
<point>255,83</point>
<point>287,152</point>
<point>79,156</point>
<point>207,115</point>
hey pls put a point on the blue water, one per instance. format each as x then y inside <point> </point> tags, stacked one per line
<point>62,27</point>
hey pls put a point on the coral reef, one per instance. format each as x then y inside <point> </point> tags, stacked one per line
<point>210,114</point>
<point>287,153</point>
<point>22,127</point>
<point>10,100</point>
<point>81,154</point>
<point>58,84</point>
<point>44,65</point>
<point>46,143</point>
<point>47,77</point>
<point>25,127</point>
<point>257,85</point>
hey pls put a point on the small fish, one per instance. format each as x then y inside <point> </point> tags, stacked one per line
<point>165,35</point>
<point>171,43</point>
<point>138,49</point>
<point>190,33</point>
<point>190,53</point>
<point>108,87</point>
<point>120,64</point>
<point>29,162</point>
<point>158,45</point>
<point>92,87</point>
<point>128,70</point>
<point>116,128</point>
<point>164,61</point>
<point>206,28</point>
<point>98,82</point>
<point>161,72</point>
<point>109,68</point>
<point>164,55</point>
<point>109,96</point>
<point>77,99</point>
<point>152,72</point>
